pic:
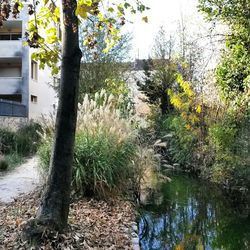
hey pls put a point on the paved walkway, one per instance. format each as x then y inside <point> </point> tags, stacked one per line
<point>23,179</point>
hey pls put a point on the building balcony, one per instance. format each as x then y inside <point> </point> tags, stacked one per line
<point>11,48</point>
<point>10,85</point>
<point>13,109</point>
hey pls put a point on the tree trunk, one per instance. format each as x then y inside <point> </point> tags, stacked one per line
<point>164,103</point>
<point>54,208</point>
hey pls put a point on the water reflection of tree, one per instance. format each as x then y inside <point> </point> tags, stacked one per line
<point>192,215</point>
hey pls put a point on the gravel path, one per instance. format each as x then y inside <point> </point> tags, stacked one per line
<point>23,179</point>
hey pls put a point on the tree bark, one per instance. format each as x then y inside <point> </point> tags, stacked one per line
<point>164,103</point>
<point>54,208</point>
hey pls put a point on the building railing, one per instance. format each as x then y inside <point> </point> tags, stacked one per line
<point>11,108</point>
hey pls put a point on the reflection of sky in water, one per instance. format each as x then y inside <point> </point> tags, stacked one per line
<point>192,216</point>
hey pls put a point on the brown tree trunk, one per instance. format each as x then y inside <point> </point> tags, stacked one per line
<point>54,208</point>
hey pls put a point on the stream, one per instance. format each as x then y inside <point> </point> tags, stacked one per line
<point>188,214</point>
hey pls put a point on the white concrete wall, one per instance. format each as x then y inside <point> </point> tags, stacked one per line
<point>46,96</point>
<point>43,90</point>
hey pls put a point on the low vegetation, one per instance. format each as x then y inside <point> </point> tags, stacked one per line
<point>215,149</point>
<point>107,157</point>
<point>3,163</point>
<point>205,120</point>
<point>18,143</point>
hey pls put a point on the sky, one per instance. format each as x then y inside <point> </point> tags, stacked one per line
<point>165,13</point>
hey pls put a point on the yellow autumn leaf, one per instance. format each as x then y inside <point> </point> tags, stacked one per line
<point>176,101</point>
<point>83,8</point>
<point>82,11</point>
<point>198,109</point>
<point>185,86</point>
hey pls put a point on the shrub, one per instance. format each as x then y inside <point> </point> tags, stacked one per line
<point>27,138</point>
<point>104,147</point>
<point>16,145</point>
<point>182,141</point>
<point>3,163</point>
<point>13,160</point>
<point>222,136</point>
<point>24,141</point>
<point>7,141</point>
<point>230,141</point>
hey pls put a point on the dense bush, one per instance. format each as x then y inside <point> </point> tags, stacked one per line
<point>13,160</point>
<point>27,138</point>
<point>181,141</point>
<point>20,143</point>
<point>23,141</point>
<point>105,147</point>
<point>180,128</point>
<point>229,136</point>
<point>222,136</point>
<point>216,149</point>
<point>3,163</point>
<point>7,140</point>
<point>230,142</point>
<point>221,155</point>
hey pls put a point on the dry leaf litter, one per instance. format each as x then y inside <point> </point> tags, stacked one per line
<point>92,225</point>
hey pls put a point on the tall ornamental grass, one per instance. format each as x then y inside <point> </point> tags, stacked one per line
<point>105,147</point>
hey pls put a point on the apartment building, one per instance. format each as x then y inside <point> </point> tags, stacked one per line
<point>25,90</point>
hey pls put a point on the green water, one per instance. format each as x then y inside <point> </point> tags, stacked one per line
<point>193,215</point>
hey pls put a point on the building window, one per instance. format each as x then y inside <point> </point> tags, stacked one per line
<point>16,36</point>
<point>13,98</point>
<point>34,70</point>
<point>6,37</point>
<point>33,98</point>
